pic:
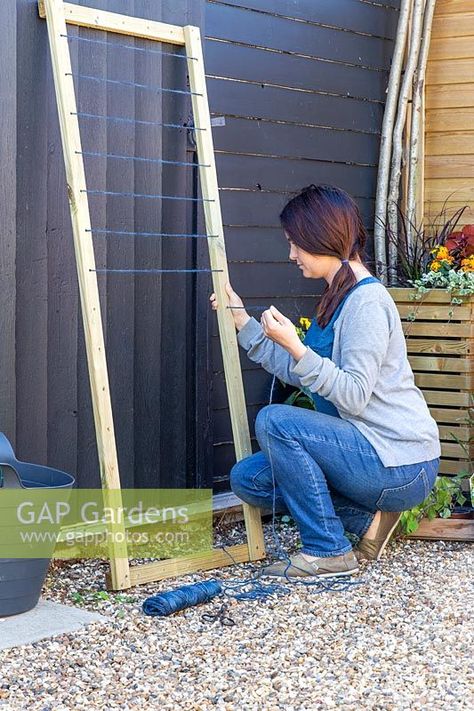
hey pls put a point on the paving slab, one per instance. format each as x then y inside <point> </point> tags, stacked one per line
<point>47,619</point>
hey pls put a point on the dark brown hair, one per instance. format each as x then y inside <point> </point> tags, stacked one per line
<point>323,219</point>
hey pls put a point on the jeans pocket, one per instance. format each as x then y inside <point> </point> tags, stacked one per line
<point>402,498</point>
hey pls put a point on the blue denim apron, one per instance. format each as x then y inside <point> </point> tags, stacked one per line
<point>321,341</point>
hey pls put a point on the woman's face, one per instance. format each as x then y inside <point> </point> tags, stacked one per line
<point>313,266</point>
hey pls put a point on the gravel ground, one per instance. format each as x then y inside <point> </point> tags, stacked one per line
<point>401,640</point>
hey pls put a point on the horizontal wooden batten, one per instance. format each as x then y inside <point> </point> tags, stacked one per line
<point>248,136</point>
<point>433,211</point>
<point>450,330</point>
<point>368,18</point>
<point>284,104</point>
<point>452,26</point>
<point>441,364</point>
<point>446,433</point>
<point>441,167</point>
<point>450,119</point>
<point>262,173</point>
<point>448,415</point>
<point>452,449</point>
<point>257,64</point>
<point>448,48</point>
<point>120,24</point>
<point>406,295</point>
<point>447,144</point>
<point>446,96</point>
<point>265,30</point>
<point>452,466</point>
<point>443,380</point>
<point>459,189</point>
<point>456,71</point>
<point>451,7</point>
<point>445,529</point>
<point>425,312</point>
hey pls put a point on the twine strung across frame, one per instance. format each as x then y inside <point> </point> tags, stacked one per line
<point>125,119</point>
<point>123,82</point>
<point>119,45</point>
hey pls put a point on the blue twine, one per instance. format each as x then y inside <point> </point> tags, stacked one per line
<point>140,195</point>
<point>96,154</point>
<point>172,601</point>
<point>149,234</point>
<point>124,119</point>
<point>72,38</point>
<point>123,82</point>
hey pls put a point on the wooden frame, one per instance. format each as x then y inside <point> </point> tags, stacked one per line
<point>58,14</point>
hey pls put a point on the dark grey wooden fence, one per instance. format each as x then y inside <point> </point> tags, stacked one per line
<point>301,86</point>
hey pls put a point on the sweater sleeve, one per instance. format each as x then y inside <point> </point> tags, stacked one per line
<point>365,336</point>
<point>271,356</point>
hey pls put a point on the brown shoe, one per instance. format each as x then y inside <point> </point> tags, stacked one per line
<point>301,569</point>
<point>372,548</point>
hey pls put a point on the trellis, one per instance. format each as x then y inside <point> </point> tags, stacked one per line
<point>58,15</point>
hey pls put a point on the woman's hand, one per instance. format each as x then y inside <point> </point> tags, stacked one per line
<point>281,330</point>
<point>240,314</point>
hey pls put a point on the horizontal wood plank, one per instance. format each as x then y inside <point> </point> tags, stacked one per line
<point>281,104</point>
<point>246,136</point>
<point>440,167</point>
<point>451,466</point>
<point>449,449</point>
<point>452,26</point>
<point>443,380</point>
<point>262,173</point>
<point>446,433</point>
<point>441,144</point>
<point>452,7</point>
<point>226,59</point>
<point>120,23</point>
<point>444,96</point>
<point>451,119</point>
<point>452,330</point>
<point>426,312</point>
<point>366,18</point>
<point>434,208</point>
<point>445,529</point>
<point>441,363</point>
<point>435,397</point>
<point>447,415</point>
<point>434,296</point>
<point>440,346</point>
<point>447,48</point>
<point>264,30</point>
<point>456,71</point>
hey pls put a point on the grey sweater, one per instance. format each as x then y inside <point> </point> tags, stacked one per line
<point>368,379</point>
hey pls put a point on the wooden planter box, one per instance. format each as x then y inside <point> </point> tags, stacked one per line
<point>441,353</point>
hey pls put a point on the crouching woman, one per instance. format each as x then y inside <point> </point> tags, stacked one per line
<point>371,449</point>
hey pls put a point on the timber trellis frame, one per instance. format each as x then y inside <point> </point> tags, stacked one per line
<point>58,14</point>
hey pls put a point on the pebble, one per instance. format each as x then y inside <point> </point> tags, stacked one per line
<point>401,641</point>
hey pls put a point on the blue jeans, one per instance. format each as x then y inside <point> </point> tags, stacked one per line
<point>327,476</point>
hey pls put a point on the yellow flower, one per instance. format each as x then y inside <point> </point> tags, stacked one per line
<point>467,265</point>
<point>435,266</point>
<point>441,252</point>
<point>449,259</point>
<point>305,322</point>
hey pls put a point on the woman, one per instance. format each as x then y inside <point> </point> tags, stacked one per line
<point>371,449</point>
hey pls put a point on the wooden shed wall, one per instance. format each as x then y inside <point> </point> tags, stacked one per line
<point>301,85</point>
<point>449,149</point>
